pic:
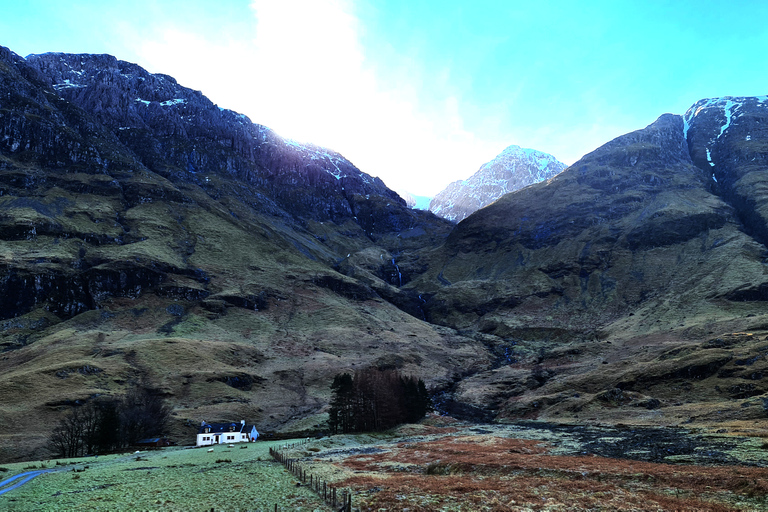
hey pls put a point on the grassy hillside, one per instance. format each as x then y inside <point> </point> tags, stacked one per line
<point>239,478</point>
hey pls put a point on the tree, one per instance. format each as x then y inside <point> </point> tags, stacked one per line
<point>67,436</point>
<point>76,434</point>
<point>417,399</point>
<point>108,431</point>
<point>142,414</point>
<point>342,404</point>
<point>89,420</point>
<point>107,425</point>
<point>375,400</point>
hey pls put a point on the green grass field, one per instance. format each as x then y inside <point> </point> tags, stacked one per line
<point>243,478</point>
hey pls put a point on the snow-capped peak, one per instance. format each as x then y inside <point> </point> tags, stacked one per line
<point>511,170</point>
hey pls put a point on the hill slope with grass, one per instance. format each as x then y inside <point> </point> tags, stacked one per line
<point>178,247</point>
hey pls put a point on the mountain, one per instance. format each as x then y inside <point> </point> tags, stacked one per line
<point>149,239</point>
<point>513,169</point>
<point>634,279</point>
<point>413,201</point>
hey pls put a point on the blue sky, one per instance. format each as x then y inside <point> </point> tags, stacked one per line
<point>421,93</point>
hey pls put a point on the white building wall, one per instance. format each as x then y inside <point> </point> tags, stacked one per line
<point>205,439</point>
<point>208,439</point>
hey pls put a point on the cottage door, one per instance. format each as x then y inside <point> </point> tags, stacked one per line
<point>216,439</point>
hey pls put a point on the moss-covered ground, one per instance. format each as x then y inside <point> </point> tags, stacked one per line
<point>543,467</point>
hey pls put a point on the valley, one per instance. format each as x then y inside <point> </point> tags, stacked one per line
<point>440,464</point>
<point>149,238</point>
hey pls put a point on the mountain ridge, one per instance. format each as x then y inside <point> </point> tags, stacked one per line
<point>170,119</point>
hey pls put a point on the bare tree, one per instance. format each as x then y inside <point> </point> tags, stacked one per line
<point>106,425</point>
<point>67,437</point>
<point>142,414</point>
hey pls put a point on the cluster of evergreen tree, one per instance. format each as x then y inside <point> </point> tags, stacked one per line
<point>375,400</point>
<point>107,425</point>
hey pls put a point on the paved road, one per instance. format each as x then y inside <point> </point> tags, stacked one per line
<point>11,483</point>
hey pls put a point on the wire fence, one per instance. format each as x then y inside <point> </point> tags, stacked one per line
<point>338,499</point>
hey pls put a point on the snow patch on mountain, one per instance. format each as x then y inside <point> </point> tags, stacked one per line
<point>332,162</point>
<point>731,109</point>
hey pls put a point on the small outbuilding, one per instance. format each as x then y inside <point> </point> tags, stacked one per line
<point>154,442</point>
<point>226,433</point>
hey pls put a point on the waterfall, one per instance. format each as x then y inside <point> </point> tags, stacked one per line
<point>399,275</point>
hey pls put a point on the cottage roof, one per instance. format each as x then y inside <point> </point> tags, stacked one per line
<point>222,428</point>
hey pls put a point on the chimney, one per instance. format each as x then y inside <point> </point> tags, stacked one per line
<point>242,422</point>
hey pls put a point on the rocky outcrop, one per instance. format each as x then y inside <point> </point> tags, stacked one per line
<point>37,127</point>
<point>727,138</point>
<point>511,170</point>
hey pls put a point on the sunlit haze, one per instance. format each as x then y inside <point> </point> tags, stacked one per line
<point>423,93</point>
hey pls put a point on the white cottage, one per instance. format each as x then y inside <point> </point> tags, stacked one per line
<point>226,433</point>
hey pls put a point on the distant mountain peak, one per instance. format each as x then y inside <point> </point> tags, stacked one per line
<point>512,169</point>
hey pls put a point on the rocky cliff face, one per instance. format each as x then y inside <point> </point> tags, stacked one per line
<point>511,170</point>
<point>727,138</point>
<point>178,132</point>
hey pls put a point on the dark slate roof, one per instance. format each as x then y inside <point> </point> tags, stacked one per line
<point>151,440</point>
<point>223,428</point>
